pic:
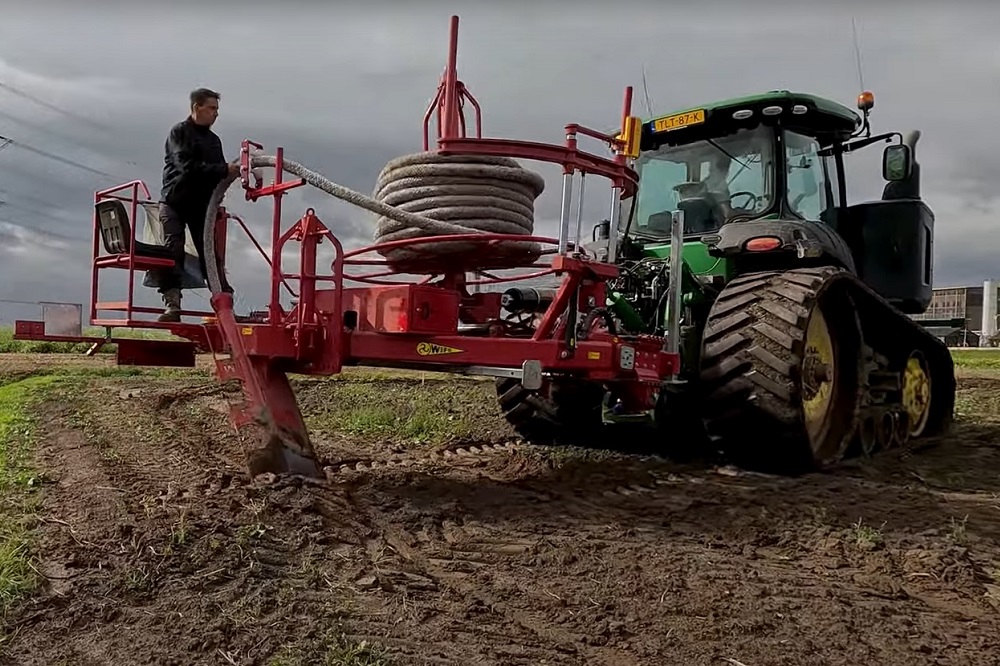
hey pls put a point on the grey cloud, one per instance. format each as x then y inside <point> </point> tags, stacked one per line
<point>343,88</point>
<point>19,239</point>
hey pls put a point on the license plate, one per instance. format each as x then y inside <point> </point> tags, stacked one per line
<point>679,120</point>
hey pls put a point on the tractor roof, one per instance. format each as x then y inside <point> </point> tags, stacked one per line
<point>811,114</point>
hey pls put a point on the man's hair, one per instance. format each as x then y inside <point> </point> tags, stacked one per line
<point>202,95</point>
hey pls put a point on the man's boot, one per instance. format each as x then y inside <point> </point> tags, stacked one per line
<point>172,301</point>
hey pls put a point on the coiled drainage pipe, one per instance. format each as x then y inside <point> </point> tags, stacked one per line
<point>420,195</point>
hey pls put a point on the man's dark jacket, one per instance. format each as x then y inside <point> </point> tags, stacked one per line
<point>193,165</point>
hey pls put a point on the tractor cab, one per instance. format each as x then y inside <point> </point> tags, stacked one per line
<point>759,157</point>
<point>761,184</point>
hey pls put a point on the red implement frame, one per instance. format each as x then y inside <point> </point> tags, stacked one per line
<point>434,325</point>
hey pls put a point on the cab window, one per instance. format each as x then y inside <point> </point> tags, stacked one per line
<point>712,181</point>
<point>809,193</point>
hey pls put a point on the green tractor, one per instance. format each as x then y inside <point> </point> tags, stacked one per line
<point>791,306</point>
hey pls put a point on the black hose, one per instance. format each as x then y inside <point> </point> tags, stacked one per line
<point>588,321</point>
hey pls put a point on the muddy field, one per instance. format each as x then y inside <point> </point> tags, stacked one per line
<point>438,539</point>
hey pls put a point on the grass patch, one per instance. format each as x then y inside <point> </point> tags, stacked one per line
<point>403,412</point>
<point>867,537</point>
<point>8,345</point>
<point>18,484</point>
<point>976,359</point>
<point>98,371</point>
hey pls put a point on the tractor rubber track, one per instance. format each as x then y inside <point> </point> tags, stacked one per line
<point>752,353</point>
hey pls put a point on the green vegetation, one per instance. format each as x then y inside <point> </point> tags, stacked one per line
<point>977,359</point>
<point>8,345</point>
<point>93,371</point>
<point>18,484</point>
<point>403,411</point>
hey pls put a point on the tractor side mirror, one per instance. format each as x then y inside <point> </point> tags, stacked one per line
<point>897,162</point>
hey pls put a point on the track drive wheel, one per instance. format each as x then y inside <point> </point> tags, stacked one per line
<point>917,393</point>
<point>780,369</point>
<point>561,412</point>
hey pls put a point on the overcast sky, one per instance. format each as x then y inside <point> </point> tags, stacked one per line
<point>343,88</point>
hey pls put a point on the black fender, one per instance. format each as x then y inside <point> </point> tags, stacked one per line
<point>801,243</point>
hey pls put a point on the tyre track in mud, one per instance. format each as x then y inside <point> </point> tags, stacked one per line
<point>457,544</point>
<point>622,481</point>
<point>648,491</point>
<point>494,552</point>
<point>509,585</point>
<point>188,428</point>
<point>445,558</point>
<point>604,488</point>
<point>449,555</point>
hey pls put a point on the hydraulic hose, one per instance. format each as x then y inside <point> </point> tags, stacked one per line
<point>419,195</point>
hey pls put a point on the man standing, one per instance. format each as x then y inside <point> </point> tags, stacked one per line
<point>193,165</point>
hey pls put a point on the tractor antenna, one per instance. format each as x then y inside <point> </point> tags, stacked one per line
<point>865,100</point>
<point>857,53</point>
<point>645,92</point>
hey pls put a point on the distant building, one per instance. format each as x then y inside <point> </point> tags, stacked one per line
<point>975,325</point>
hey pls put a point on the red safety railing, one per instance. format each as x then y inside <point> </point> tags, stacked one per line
<point>104,257</point>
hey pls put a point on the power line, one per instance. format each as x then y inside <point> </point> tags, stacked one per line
<point>38,127</point>
<point>57,158</point>
<point>48,105</point>
<point>6,142</point>
<point>19,174</point>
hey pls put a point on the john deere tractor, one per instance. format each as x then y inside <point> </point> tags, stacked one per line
<point>793,322</point>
